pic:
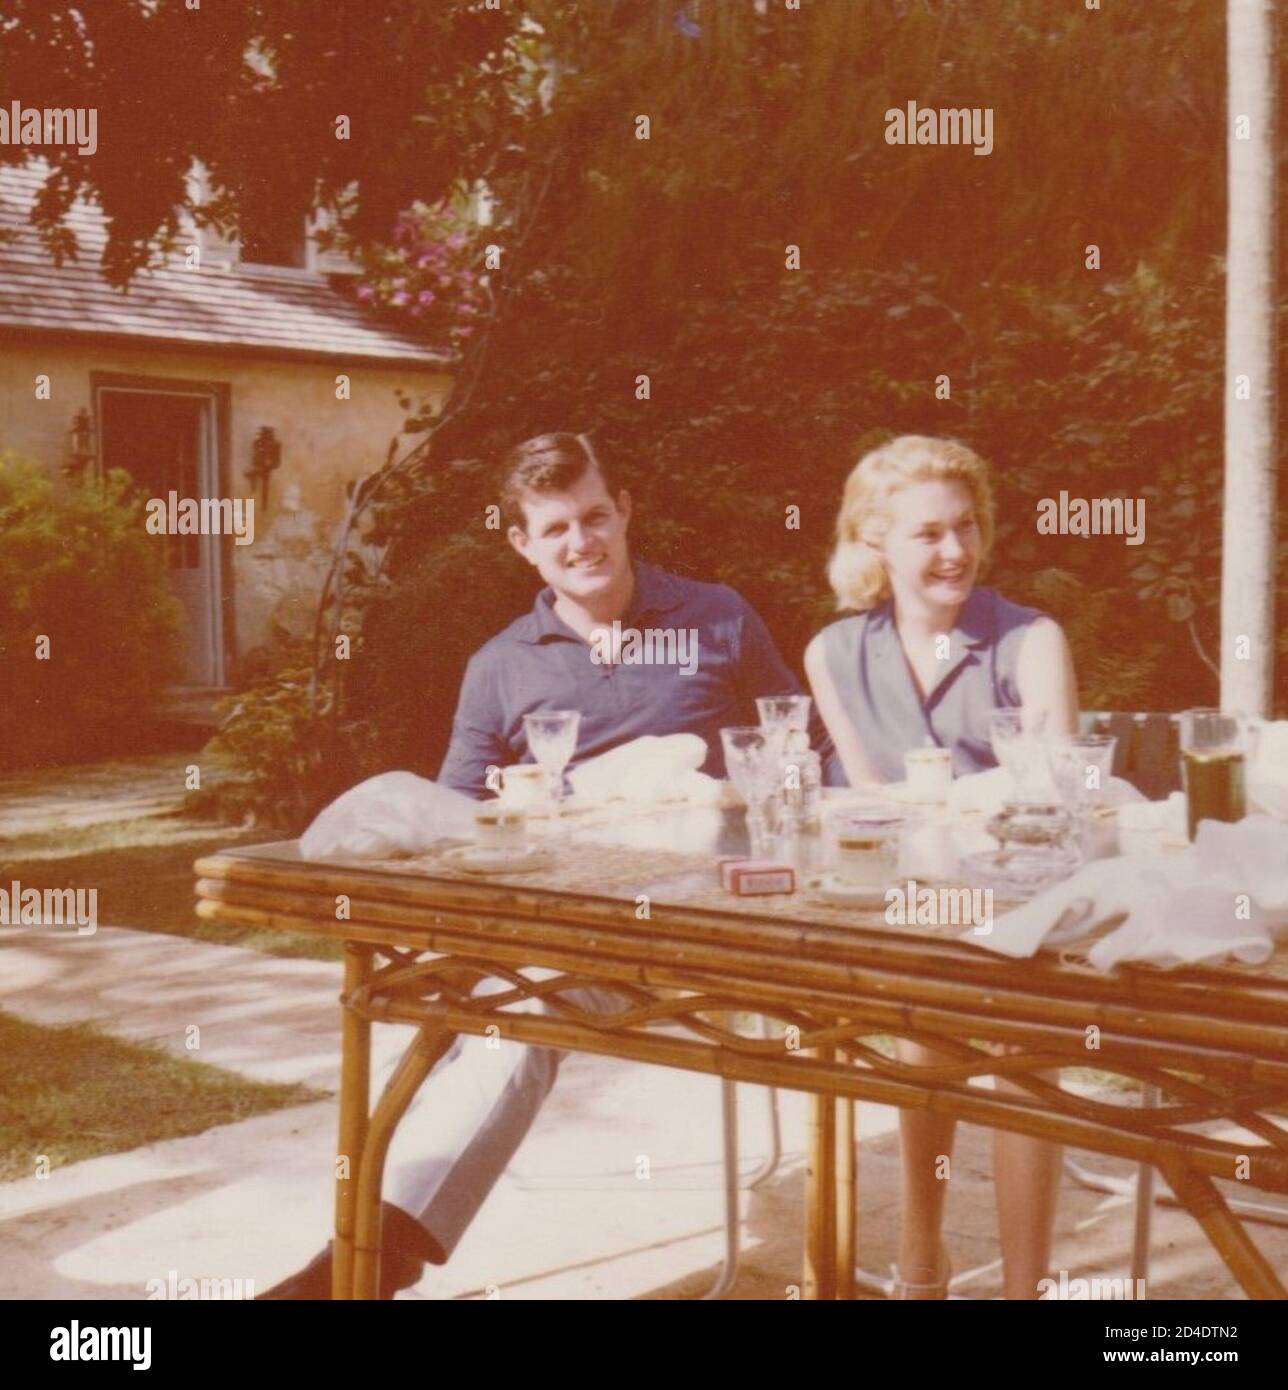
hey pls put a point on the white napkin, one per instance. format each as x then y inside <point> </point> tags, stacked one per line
<point>649,769</point>
<point>1166,815</point>
<point>394,813</point>
<point>1268,775</point>
<point>1147,827</point>
<point>1227,894</point>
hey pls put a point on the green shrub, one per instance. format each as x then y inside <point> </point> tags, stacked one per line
<point>78,568</point>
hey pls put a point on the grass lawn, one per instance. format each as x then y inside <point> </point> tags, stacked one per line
<point>126,837</point>
<point>73,1093</point>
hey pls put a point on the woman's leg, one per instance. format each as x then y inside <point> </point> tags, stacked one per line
<point>926,1142</point>
<point>1026,1177</point>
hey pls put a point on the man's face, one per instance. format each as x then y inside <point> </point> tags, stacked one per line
<point>576,539</point>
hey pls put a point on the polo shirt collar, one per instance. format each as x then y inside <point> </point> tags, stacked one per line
<point>655,592</point>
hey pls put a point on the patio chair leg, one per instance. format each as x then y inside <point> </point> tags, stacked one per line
<point>770,1165</point>
<point>1141,1187</point>
<point>1144,1208</point>
<point>729,1119</point>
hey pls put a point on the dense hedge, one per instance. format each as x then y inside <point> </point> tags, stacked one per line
<point>667,258</point>
<point>78,568</point>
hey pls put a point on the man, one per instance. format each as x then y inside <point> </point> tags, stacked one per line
<point>593,639</point>
<point>567,518</point>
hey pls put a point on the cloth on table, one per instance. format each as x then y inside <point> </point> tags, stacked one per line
<point>390,814</point>
<point>1225,895</point>
<point>649,769</point>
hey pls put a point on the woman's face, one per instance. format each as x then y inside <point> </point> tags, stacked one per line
<point>933,549</point>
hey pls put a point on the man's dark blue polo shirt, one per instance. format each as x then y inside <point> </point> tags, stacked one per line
<point>539,662</point>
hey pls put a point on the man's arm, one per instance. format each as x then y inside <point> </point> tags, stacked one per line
<point>760,670</point>
<point>477,742</point>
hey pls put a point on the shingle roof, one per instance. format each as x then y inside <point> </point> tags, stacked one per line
<point>269,313</point>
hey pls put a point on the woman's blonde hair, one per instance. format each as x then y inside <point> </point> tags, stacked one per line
<point>856,570</point>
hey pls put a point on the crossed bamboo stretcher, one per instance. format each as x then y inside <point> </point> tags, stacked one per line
<point>1213,1043</point>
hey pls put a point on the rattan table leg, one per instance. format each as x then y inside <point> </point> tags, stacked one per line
<point>845,1196</point>
<point>431,1042</point>
<point>820,1198</point>
<point>355,1089</point>
<point>1198,1194</point>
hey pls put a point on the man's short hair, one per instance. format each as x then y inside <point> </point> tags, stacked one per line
<point>547,463</point>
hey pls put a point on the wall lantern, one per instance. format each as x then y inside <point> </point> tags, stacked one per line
<point>80,446</point>
<point>265,460</point>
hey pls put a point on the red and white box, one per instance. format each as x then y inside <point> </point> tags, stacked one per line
<point>751,877</point>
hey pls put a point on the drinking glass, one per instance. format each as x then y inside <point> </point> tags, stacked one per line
<point>1016,737</point>
<point>552,740</point>
<point>780,713</point>
<point>785,718</point>
<point>1080,766</point>
<point>752,761</point>
<point>1214,751</point>
<point>1032,830</point>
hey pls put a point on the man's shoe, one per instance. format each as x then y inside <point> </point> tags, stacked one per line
<point>397,1271</point>
<point>313,1281</point>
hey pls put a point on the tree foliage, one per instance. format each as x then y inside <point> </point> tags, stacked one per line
<point>254,89</point>
<point>86,614</point>
<point>666,258</point>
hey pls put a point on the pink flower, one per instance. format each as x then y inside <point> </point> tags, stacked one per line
<point>425,297</point>
<point>366,293</point>
<point>399,299</point>
<point>464,331</point>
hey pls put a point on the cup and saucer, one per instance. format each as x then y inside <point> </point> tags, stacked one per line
<point>501,843</point>
<point>837,891</point>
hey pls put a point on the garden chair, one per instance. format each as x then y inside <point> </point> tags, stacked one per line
<point>1148,756</point>
<point>732,1181</point>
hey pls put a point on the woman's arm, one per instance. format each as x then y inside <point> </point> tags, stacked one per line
<point>845,737</point>
<point>1045,676</point>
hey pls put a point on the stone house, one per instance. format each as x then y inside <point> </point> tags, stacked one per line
<point>243,371</point>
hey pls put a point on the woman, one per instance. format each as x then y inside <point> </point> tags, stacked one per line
<point>926,659</point>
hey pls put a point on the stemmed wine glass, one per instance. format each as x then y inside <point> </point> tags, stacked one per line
<point>1080,765</point>
<point>779,714</point>
<point>1016,737</point>
<point>751,759</point>
<point>552,740</point>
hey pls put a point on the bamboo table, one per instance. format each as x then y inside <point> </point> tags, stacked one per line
<point>637,906</point>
